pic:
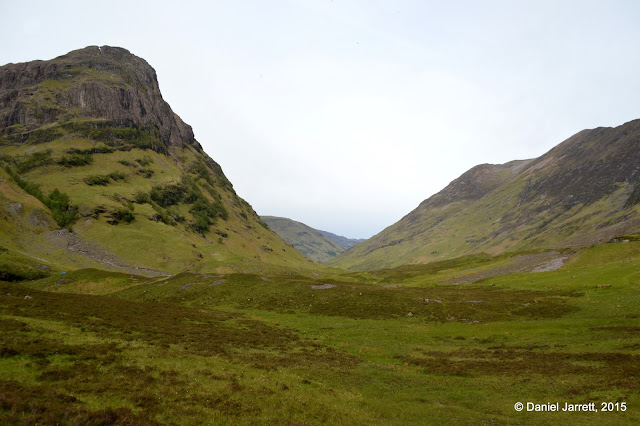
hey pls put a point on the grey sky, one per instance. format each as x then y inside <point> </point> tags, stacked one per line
<point>345,115</point>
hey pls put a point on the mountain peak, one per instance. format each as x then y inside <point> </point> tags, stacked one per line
<point>108,83</point>
<point>87,143</point>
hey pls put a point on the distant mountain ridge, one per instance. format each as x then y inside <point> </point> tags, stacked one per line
<point>343,242</point>
<point>319,246</point>
<point>584,191</point>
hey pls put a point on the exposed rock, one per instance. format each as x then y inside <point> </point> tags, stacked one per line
<point>323,286</point>
<point>70,241</point>
<point>15,209</point>
<point>104,82</point>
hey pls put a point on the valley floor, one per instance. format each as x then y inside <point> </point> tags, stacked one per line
<point>402,346</point>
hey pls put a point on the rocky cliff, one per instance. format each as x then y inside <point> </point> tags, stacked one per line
<point>95,82</point>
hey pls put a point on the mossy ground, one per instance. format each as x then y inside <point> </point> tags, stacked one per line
<point>270,349</point>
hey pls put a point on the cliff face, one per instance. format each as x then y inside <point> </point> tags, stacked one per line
<point>95,82</point>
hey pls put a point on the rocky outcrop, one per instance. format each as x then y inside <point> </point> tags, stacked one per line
<point>104,82</point>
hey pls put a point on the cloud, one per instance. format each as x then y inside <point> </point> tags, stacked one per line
<point>346,115</point>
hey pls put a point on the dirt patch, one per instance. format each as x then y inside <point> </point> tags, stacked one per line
<point>73,243</point>
<point>216,282</point>
<point>322,286</point>
<point>551,265</point>
<point>539,262</point>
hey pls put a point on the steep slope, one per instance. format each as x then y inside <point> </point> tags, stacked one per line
<point>584,191</point>
<point>310,242</point>
<point>88,144</point>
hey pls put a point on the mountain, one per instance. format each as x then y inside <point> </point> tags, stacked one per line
<point>343,242</point>
<point>98,171</point>
<point>319,246</point>
<point>584,191</point>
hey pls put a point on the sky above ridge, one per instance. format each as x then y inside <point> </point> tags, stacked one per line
<point>345,115</point>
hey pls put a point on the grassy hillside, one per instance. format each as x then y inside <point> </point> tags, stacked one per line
<point>314,244</point>
<point>584,191</point>
<point>97,171</point>
<point>395,346</point>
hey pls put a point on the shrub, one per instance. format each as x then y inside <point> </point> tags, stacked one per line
<point>147,173</point>
<point>76,159</point>
<point>97,180</point>
<point>142,198</point>
<point>201,223</point>
<point>162,215</point>
<point>37,159</point>
<point>168,195</point>
<point>145,161</point>
<point>63,212</point>
<point>116,176</point>
<point>122,215</point>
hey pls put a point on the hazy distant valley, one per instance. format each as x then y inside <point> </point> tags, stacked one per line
<point>319,246</point>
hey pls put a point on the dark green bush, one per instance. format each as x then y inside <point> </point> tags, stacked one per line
<point>116,176</point>
<point>201,223</point>
<point>145,161</point>
<point>63,212</point>
<point>61,208</point>
<point>168,195</point>
<point>31,161</point>
<point>147,173</point>
<point>122,215</point>
<point>142,198</point>
<point>97,180</point>
<point>74,160</point>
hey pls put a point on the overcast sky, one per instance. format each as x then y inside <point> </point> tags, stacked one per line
<point>345,115</point>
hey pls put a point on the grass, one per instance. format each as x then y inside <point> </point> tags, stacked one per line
<point>270,349</point>
<point>102,168</point>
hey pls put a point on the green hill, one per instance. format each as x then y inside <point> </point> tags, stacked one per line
<point>319,246</point>
<point>584,191</point>
<point>98,171</point>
